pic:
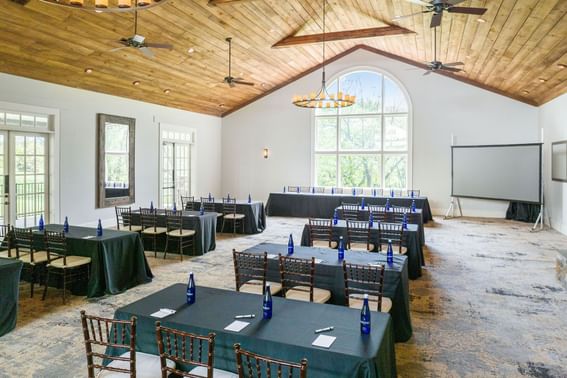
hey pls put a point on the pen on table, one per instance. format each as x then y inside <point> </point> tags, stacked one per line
<point>249,316</point>
<point>327,329</point>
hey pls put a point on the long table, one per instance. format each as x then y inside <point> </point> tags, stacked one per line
<point>10,270</point>
<point>118,262</point>
<point>255,221</point>
<point>288,335</point>
<point>329,275</point>
<point>411,242</point>
<point>320,205</point>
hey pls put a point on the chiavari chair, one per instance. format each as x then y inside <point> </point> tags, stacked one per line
<point>378,212</point>
<point>350,211</point>
<point>250,271</point>
<point>297,278</point>
<point>365,279</point>
<point>353,191</point>
<point>396,214</point>
<point>230,214</point>
<point>358,236</point>
<point>337,190</point>
<point>318,189</point>
<point>305,189</point>
<point>7,249</point>
<point>150,228</point>
<point>252,365</point>
<point>34,260</point>
<point>416,193</point>
<point>321,233</point>
<point>184,238</point>
<point>188,203</point>
<point>124,219</point>
<point>293,189</point>
<point>397,192</point>
<point>393,232</point>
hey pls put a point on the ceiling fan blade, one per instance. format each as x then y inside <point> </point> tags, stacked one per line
<point>243,83</point>
<point>427,72</point>
<point>231,84</point>
<point>119,48</point>
<point>408,15</point>
<point>436,19</point>
<point>467,10</point>
<point>419,2</point>
<point>453,64</point>
<point>450,69</point>
<point>453,2</point>
<point>147,52</point>
<point>160,45</point>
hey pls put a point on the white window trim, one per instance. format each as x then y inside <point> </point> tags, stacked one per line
<point>402,87</point>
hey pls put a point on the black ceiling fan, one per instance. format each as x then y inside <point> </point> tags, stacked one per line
<point>230,80</point>
<point>436,65</point>
<point>437,7</point>
<point>139,42</point>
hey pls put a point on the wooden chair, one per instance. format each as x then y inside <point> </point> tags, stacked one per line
<point>378,212</point>
<point>178,347</point>
<point>365,279</point>
<point>396,214</point>
<point>101,335</point>
<point>7,249</point>
<point>124,219</point>
<point>251,365</point>
<point>293,189</point>
<point>414,218</point>
<point>350,211</point>
<point>321,233</point>
<point>378,192</point>
<point>150,229</point>
<point>393,232</point>
<point>34,260</point>
<point>209,206</point>
<point>358,236</point>
<point>175,232</point>
<point>357,191</point>
<point>397,192</point>
<point>230,214</point>
<point>305,189</point>
<point>297,278</point>
<point>188,203</point>
<point>337,190</point>
<point>250,270</point>
<point>416,193</point>
<point>318,189</point>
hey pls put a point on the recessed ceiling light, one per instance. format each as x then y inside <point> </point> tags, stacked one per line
<point>167,91</point>
<point>191,50</point>
<point>241,74</point>
<point>481,20</point>
<point>561,65</point>
<point>525,92</point>
<point>221,105</point>
<point>88,70</point>
<point>542,80</point>
<point>264,85</point>
<point>136,83</point>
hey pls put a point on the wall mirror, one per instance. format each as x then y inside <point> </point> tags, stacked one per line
<point>115,160</point>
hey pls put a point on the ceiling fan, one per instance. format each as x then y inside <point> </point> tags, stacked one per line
<point>437,7</point>
<point>139,42</point>
<point>230,80</point>
<point>436,65</point>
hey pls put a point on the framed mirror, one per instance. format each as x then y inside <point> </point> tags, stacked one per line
<point>115,160</point>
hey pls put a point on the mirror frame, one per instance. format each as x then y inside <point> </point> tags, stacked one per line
<point>101,200</point>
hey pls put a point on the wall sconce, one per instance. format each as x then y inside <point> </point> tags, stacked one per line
<point>266,153</point>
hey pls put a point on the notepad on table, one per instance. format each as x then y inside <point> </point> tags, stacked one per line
<point>88,237</point>
<point>324,341</point>
<point>236,326</point>
<point>319,261</point>
<point>162,313</point>
<point>272,256</point>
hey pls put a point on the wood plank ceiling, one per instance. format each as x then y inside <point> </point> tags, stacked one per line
<point>518,50</point>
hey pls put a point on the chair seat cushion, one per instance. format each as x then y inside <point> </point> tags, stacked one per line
<point>39,257</point>
<point>154,230</point>
<point>181,233</point>
<point>255,287</point>
<point>324,244</point>
<point>235,216</point>
<point>72,262</point>
<point>358,302</point>
<point>301,293</point>
<point>201,371</point>
<point>131,228</point>
<point>147,366</point>
<point>11,254</point>
<point>362,246</point>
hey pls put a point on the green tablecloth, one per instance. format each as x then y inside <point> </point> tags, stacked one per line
<point>10,270</point>
<point>329,275</point>
<point>255,221</point>
<point>118,262</point>
<point>414,253</point>
<point>288,335</point>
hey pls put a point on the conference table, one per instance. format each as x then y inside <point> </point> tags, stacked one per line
<point>288,335</point>
<point>322,205</point>
<point>255,221</point>
<point>329,275</point>
<point>118,262</point>
<point>10,270</point>
<point>411,242</point>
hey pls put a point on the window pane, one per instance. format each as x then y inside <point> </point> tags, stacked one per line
<point>326,133</point>
<point>116,169</point>
<point>326,168</point>
<point>360,170</point>
<point>394,99</point>
<point>41,122</point>
<point>12,119</point>
<point>27,120</point>
<point>367,87</point>
<point>116,137</point>
<point>2,119</point>
<point>332,91</point>
<point>396,133</point>
<point>395,171</point>
<point>360,133</point>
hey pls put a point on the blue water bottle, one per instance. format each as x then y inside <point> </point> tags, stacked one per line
<point>152,205</point>
<point>202,209</point>
<point>373,192</point>
<point>191,289</point>
<point>210,197</point>
<point>298,190</point>
<point>354,191</point>
<point>267,304</point>
<point>413,206</point>
<point>66,225</point>
<point>390,254</point>
<point>174,208</point>
<point>392,193</point>
<point>249,198</point>
<point>313,190</point>
<point>284,189</point>
<point>362,203</point>
<point>335,217</point>
<point>41,224</point>
<point>387,204</point>
<point>411,194</point>
<point>332,191</point>
<point>228,196</point>
<point>290,245</point>
<point>405,221</point>
<point>365,317</point>
<point>99,229</point>
<point>370,220</point>
<point>341,249</point>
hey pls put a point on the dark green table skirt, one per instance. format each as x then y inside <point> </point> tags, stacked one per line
<point>522,211</point>
<point>10,270</point>
<point>411,242</point>
<point>255,221</point>
<point>329,275</point>
<point>118,262</point>
<point>307,205</point>
<point>288,335</point>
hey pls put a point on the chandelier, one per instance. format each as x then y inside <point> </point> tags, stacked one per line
<point>322,99</point>
<point>101,6</point>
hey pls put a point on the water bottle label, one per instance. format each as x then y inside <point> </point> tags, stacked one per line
<point>365,323</point>
<point>266,308</point>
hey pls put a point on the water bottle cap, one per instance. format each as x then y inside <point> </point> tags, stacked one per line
<point>341,238</point>
<point>365,296</point>
<point>190,273</point>
<point>389,240</point>
<point>267,284</point>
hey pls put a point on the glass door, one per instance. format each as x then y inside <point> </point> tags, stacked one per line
<point>176,172</point>
<point>4,180</point>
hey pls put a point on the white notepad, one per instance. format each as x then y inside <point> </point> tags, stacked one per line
<point>272,256</point>
<point>324,341</point>
<point>88,237</point>
<point>162,313</point>
<point>318,261</point>
<point>236,326</point>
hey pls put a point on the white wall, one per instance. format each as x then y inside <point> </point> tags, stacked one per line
<point>553,119</point>
<point>441,107</point>
<point>77,133</point>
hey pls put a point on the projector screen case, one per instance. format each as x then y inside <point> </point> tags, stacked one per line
<point>502,172</point>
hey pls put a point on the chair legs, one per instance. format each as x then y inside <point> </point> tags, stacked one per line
<point>69,276</point>
<point>46,284</point>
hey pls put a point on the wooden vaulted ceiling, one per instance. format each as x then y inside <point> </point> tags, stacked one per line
<point>518,50</point>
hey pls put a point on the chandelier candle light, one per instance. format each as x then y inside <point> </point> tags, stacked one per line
<point>322,99</point>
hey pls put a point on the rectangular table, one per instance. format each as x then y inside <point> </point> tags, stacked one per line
<point>255,221</point>
<point>411,242</point>
<point>321,205</point>
<point>118,262</point>
<point>10,270</point>
<point>329,275</point>
<point>288,335</point>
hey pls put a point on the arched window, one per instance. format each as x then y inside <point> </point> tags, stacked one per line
<point>367,144</point>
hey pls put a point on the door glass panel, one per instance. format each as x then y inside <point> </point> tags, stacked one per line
<point>3,175</point>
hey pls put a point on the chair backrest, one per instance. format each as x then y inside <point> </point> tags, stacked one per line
<point>397,192</point>
<point>23,239</point>
<point>297,272</point>
<point>350,211</point>
<point>318,189</point>
<point>379,213</point>
<point>6,239</point>
<point>186,349</point>
<point>413,218</point>
<point>229,205</point>
<point>393,232</point>
<point>56,245</point>
<point>337,190</point>
<point>293,188</point>
<point>364,279</point>
<point>355,191</point>
<point>305,189</point>
<point>378,192</point>
<point>123,218</point>
<point>208,204</point>
<point>174,220</point>
<point>148,217</point>
<point>320,229</point>
<point>188,202</point>
<point>102,333</point>
<point>416,192</point>
<point>358,232</point>
<point>396,214</point>
<point>249,266</point>
<point>253,365</point>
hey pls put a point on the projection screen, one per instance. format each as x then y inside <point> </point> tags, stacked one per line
<point>500,172</point>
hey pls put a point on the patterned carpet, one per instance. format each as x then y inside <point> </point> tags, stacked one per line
<point>489,304</point>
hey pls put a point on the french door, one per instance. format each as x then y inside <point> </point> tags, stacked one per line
<point>176,172</point>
